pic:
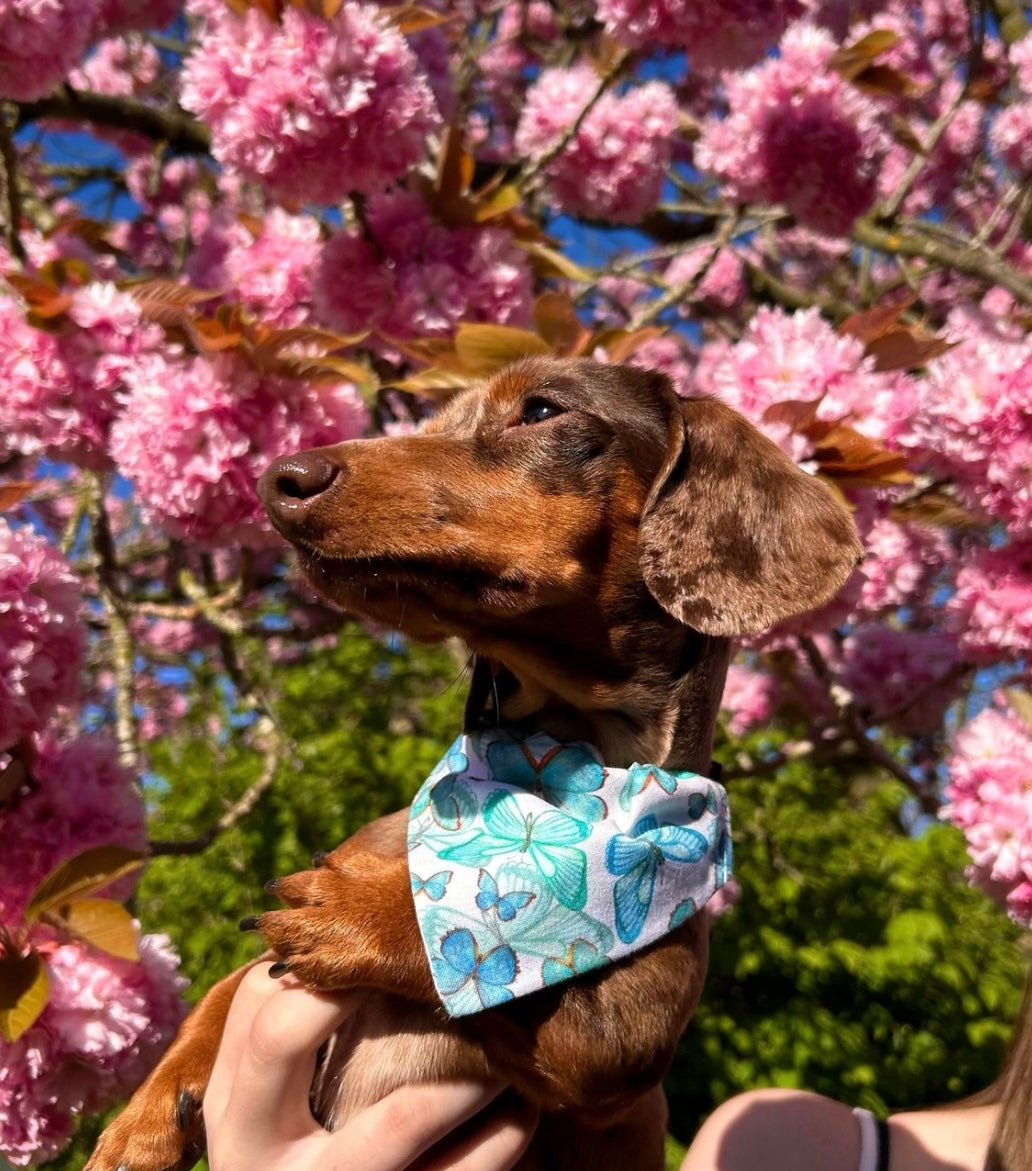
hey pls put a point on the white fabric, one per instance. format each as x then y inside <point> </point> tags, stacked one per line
<point>531,862</point>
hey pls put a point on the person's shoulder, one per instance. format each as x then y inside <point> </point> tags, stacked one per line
<point>778,1130</point>
<point>955,1138</point>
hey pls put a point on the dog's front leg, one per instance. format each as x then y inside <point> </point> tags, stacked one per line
<point>161,1128</point>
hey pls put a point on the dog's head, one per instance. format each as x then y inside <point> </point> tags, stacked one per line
<point>565,489</point>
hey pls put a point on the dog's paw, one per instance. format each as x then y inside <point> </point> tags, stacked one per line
<point>349,923</point>
<point>319,936</point>
<point>160,1130</point>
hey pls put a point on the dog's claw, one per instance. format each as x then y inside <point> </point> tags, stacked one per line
<point>271,885</point>
<point>186,1110</point>
<point>249,923</point>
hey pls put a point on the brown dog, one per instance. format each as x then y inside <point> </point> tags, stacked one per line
<point>597,542</point>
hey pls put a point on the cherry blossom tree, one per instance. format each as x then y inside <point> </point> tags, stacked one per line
<point>235,229</point>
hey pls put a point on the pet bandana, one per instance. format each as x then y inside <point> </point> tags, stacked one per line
<point>532,862</point>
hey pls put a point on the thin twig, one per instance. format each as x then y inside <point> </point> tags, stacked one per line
<point>275,752</point>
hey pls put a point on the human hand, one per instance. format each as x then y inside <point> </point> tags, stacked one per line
<point>256,1107</point>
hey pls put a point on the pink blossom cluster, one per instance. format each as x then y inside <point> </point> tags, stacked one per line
<point>972,421</point>
<point>992,606</point>
<point>313,109</point>
<point>721,286</point>
<point>106,1020</point>
<point>61,386</point>
<point>81,797</point>
<point>898,677</point>
<point>41,634</point>
<point>268,267</point>
<point>613,167</point>
<point>750,698</point>
<point>42,40</point>
<point>195,434</point>
<point>411,276</point>
<point>105,1026</point>
<point>716,36</point>
<point>798,134</point>
<point>989,796</point>
<point>901,564</point>
<point>783,357</point>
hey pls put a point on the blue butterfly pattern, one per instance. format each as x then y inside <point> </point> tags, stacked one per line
<point>549,840</point>
<point>463,965</point>
<point>566,774</point>
<point>505,906</point>
<point>508,829</point>
<point>435,887</point>
<point>636,857</point>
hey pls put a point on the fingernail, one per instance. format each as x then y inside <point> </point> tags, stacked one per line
<point>280,968</point>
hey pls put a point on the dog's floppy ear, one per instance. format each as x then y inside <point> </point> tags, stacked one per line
<point>735,537</point>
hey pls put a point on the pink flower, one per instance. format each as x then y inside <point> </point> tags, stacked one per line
<point>416,277</point>
<point>270,271</point>
<point>721,288</point>
<point>40,41</point>
<point>613,167</point>
<point>750,697</point>
<point>1021,60</point>
<point>1011,136</point>
<point>992,606</point>
<point>797,133</point>
<point>898,676</point>
<point>783,357</point>
<point>724,36</point>
<point>60,387</point>
<point>81,797</point>
<point>989,797</point>
<point>972,422</point>
<point>121,65</point>
<point>41,634</point>
<point>314,109</point>
<point>106,1023</point>
<point>899,565</point>
<point>196,434</point>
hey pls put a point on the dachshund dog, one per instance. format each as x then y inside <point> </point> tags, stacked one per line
<point>597,542</point>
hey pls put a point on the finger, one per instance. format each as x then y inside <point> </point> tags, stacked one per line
<point>253,991</point>
<point>399,1128</point>
<point>270,1086</point>
<point>495,1144</point>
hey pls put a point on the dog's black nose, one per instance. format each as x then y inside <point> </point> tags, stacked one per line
<point>293,479</point>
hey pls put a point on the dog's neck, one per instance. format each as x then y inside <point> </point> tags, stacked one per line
<point>663,712</point>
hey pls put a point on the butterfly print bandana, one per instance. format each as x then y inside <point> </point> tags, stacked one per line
<point>531,862</point>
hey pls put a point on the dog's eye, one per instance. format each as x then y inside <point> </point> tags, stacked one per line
<point>538,410</point>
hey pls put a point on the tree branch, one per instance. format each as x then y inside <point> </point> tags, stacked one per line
<point>175,127</point>
<point>970,260</point>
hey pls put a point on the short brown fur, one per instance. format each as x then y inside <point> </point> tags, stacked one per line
<point>598,562</point>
